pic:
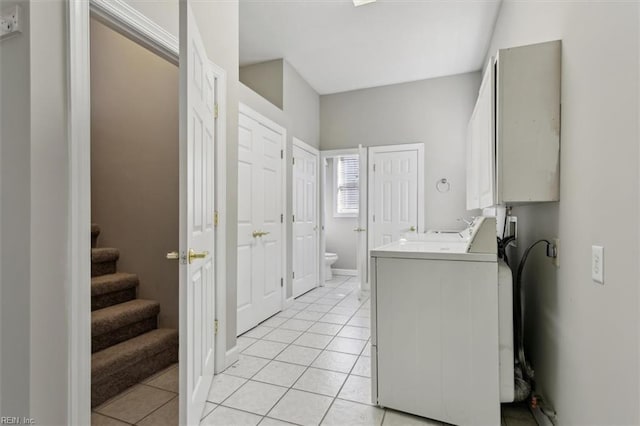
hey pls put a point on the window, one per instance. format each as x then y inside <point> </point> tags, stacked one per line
<point>346,195</point>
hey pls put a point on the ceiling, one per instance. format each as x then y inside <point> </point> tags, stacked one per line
<point>337,47</point>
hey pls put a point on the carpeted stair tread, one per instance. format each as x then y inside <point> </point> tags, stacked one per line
<point>130,352</point>
<point>103,261</point>
<point>101,255</point>
<point>121,315</point>
<point>113,282</point>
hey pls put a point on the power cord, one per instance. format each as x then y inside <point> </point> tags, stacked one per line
<point>517,308</point>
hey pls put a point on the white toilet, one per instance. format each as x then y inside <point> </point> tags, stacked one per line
<point>329,259</point>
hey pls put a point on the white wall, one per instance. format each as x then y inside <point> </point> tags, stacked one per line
<point>340,238</point>
<point>583,336</point>
<point>15,177</point>
<point>302,103</point>
<point>434,111</point>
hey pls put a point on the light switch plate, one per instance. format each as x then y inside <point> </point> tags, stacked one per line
<point>597,264</point>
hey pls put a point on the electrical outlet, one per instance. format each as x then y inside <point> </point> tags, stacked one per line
<point>512,229</point>
<point>597,264</point>
<point>556,260</point>
<point>10,23</point>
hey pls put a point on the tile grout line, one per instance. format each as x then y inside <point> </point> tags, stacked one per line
<point>307,367</point>
<point>345,381</point>
<point>153,411</point>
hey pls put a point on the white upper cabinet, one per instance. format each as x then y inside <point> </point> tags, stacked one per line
<point>513,148</point>
<point>481,176</point>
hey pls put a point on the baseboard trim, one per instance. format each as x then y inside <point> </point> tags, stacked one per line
<point>348,272</point>
<point>231,356</point>
<point>288,303</point>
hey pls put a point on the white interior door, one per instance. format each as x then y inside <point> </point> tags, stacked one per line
<point>305,218</point>
<point>260,217</point>
<point>197,242</point>
<point>396,192</point>
<point>362,252</point>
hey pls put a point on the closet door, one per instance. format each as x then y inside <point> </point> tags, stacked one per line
<point>396,192</point>
<point>305,218</point>
<point>260,243</point>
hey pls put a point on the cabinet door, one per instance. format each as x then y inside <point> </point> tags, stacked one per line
<point>484,138</point>
<point>481,146</point>
<point>473,202</point>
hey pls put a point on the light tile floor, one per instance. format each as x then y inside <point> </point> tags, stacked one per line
<point>310,365</point>
<point>154,402</point>
<point>307,365</point>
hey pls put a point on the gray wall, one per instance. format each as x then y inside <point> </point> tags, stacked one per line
<point>14,220</point>
<point>302,104</point>
<point>265,78</point>
<point>134,162</point>
<point>340,238</point>
<point>49,366</point>
<point>435,112</point>
<point>279,83</point>
<point>583,336</point>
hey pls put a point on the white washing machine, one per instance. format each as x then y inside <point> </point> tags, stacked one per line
<point>442,328</point>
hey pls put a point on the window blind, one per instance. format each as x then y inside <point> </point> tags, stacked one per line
<point>347,191</point>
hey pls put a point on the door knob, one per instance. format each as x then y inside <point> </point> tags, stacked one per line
<point>359,229</point>
<point>195,255</point>
<point>412,229</point>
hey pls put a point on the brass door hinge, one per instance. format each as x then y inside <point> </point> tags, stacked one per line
<point>281,282</point>
<point>215,327</point>
<point>215,218</point>
<point>294,275</point>
<point>374,167</point>
<point>294,160</point>
<point>215,111</point>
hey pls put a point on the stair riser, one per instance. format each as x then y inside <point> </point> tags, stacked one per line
<point>103,388</point>
<point>103,268</point>
<point>130,331</point>
<point>114,298</point>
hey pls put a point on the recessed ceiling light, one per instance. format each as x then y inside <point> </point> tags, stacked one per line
<point>357,3</point>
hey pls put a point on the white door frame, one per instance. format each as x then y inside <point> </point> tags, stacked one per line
<point>270,124</point>
<point>122,17</point>
<point>324,155</point>
<point>306,147</point>
<point>371,192</point>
